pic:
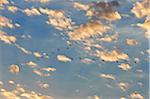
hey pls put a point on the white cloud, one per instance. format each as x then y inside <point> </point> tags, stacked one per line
<point>63,58</point>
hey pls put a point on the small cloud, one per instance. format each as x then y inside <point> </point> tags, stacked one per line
<point>110,38</point>
<point>37,54</point>
<point>23,49</point>
<point>14,69</point>
<point>131,42</point>
<point>43,85</point>
<point>5,22</point>
<point>136,95</point>
<point>31,12</point>
<point>63,58</point>
<point>81,6</point>
<point>7,38</point>
<point>107,76</point>
<point>94,97</point>
<point>11,82</point>
<point>124,66</point>
<point>31,64</point>
<point>87,61</point>
<point>12,8</point>
<point>123,86</point>
<point>44,72</point>
<point>49,69</point>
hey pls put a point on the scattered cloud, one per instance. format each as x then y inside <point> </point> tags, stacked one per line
<point>19,92</point>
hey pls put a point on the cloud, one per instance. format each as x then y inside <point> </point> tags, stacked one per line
<point>87,61</point>
<point>31,64</point>
<point>123,86</point>
<point>141,9</point>
<point>107,76</point>
<point>14,69</point>
<point>87,30</point>
<point>19,92</point>
<point>145,26</point>
<point>111,56</point>
<point>131,42</point>
<point>44,72</point>
<point>110,38</point>
<point>23,49</point>
<point>12,8</point>
<point>57,18</point>
<point>40,1</point>
<point>7,38</point>
<point>104,10</point>
<point>31,11</point>
<point>37,54</point>
<point>81,6</point>
<point>136,95</point>
<point>5,22</point>
<point>63,58</point>
<point>4,2</point>
<point>124,66</point>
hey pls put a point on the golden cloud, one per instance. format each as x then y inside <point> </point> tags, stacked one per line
<point>5,22</point>
<point>87,30</point>
<point>124,66</point>
<point>141,9</point>
<point>7,38</point>
<point>14,69</point>
<point>131,42</point>
<point>111,56</point>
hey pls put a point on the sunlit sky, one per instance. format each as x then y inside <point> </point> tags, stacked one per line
<point>74,49</point>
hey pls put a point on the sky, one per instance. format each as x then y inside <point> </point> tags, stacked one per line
<point>74,49</point>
